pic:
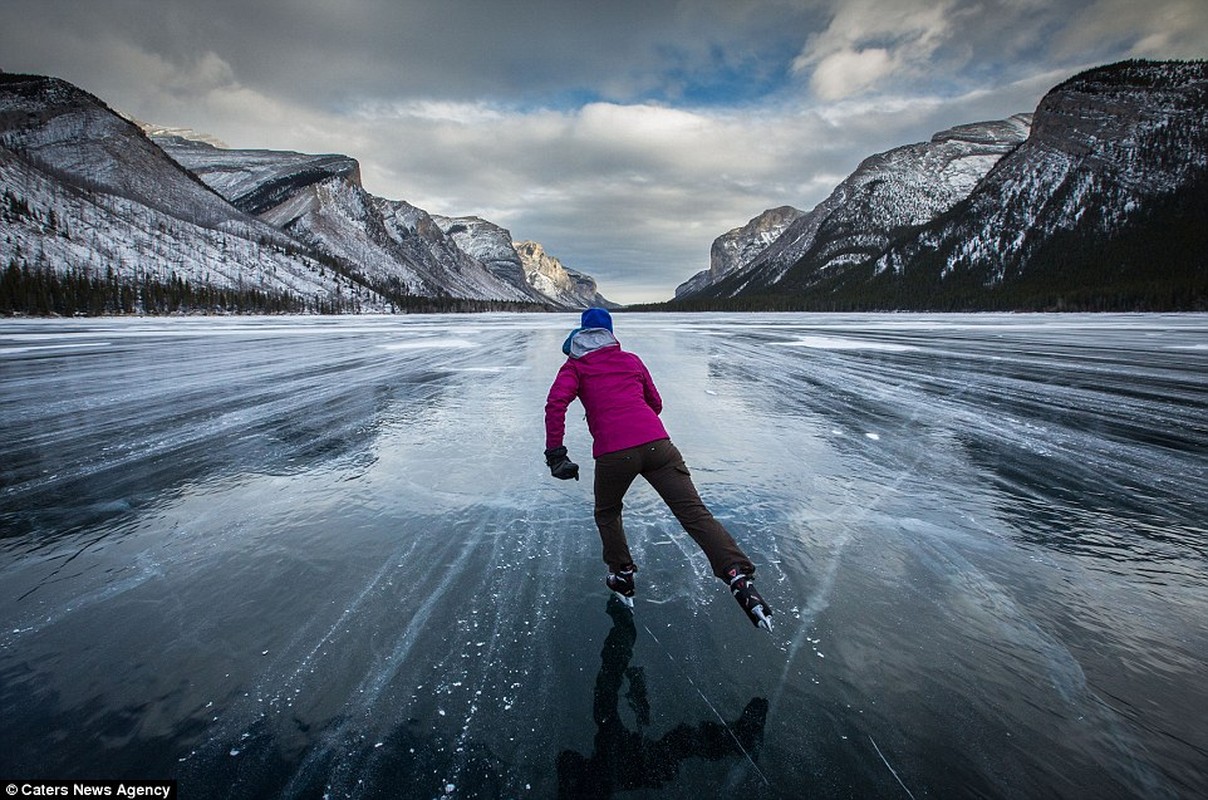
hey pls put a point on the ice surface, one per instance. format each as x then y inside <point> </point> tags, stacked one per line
<point>306,557</point>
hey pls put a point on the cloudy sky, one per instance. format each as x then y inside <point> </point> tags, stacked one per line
<point>625,135</point>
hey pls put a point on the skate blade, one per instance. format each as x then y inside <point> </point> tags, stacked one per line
<point>626,600</point>
<point>764,621</point>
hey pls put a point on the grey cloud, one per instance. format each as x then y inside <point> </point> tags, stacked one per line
<point>319,52</point>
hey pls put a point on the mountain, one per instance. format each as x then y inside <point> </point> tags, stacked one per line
<point>905,186</point>
<point>547,274</point>
<point>319,201</point>
<point>737,248</point>
<point>99,214</point>
<point>489,243</point>
<point>1099,200</point>
<point>254,181</point>
<point>1104,207</point>
<point>523,263</point>
<point>96,217</point>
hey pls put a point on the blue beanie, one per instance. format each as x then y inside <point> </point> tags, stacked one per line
<point>597,318</point>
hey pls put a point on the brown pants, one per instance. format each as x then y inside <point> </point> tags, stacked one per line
<point>661,464</point>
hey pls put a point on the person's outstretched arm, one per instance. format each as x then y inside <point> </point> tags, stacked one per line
<point>561,394</point>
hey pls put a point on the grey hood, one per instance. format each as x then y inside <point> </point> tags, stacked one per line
<point>588,340</point>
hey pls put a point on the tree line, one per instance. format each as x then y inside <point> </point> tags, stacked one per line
<point>78,292</point>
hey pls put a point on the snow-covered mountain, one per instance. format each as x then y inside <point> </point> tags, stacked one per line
<point>523,263</point>
<point>739,247</point>
<point>1098,200</point>
<point>907,185</point>
<point>87,196</point>
<point>318,200</point>
<point>254,181</point>
<point>492,245</point>
<point>548,275</point>
<point>1104,206</point>
<point>88,193</point>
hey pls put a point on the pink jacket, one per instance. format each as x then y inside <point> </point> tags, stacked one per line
<point>616,390</point>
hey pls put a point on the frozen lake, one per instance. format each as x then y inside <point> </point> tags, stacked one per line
<point>324,558</point>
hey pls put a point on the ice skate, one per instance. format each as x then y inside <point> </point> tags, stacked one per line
<point>742,586</point>
<point>622,584</point>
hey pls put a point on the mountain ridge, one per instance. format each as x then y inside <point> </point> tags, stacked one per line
<point>903,186</point>
<point>93,209</point>
<point>546,273</point>
<point>102,214</point>
<point>431,254</point>
<point>1100,207</point>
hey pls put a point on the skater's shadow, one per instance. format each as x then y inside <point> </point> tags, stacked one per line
<point>625,759</point>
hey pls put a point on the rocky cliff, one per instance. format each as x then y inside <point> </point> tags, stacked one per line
<point>391,245</point>
<point>93,205</point>
<point>547,274</point>
<point>737,248</point>
<point>1104,206</point>
<point>1101,202</point>
<point>92,208</point>
<point>905,186</point>
<point>492,245</point>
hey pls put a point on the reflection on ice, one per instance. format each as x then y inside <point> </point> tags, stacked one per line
<point>623,758</point>
<point>323,557</point>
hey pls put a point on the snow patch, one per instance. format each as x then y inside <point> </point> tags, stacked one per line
<point>422,344</point>
<point>831,343</point>
<point>11,351</point>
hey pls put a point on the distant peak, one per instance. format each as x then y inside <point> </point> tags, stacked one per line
<point>990,132</point>
<point>188,134</point>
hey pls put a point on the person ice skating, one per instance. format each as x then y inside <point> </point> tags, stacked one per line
<point>628,440</point>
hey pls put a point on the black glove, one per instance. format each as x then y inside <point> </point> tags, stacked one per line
<point>559,465</point>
